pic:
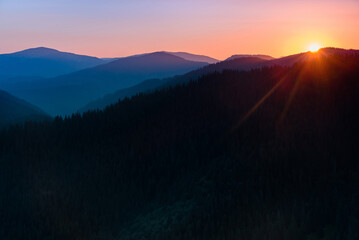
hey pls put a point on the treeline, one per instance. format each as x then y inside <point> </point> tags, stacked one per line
<point>264,154</point>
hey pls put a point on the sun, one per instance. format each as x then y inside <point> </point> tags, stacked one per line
<point>314,48</point>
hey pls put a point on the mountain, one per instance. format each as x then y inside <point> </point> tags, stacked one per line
<point>194,57</point>
<point>152,84</point>
<point>239,63</point>
<point>44,62</point>
<point>184,55</point>
<point>264,57</point>
<point>270,153</point>
<point>308,56</point>
<point>15,111</point>
<point>67,93</point>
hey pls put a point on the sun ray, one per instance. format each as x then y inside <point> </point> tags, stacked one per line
<point>314,48</point>
<point>292,94</point>
<point>259,103</point>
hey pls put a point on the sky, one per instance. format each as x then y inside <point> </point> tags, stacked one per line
<point>218,28</point>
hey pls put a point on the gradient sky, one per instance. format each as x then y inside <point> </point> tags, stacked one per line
<point>218,28</point>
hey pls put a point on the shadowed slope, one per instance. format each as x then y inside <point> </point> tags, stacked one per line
<point>265,154</point>
<point>17,111</point>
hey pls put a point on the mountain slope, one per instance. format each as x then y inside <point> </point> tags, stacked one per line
<point>194,57</point>
<point>264,154</point>
<point>15,111</point>
<point>243,63</point>
<point>44,62</point>
<point>152,84</point>
<point>307,56</point>
<point>236,62</point>
<point>66,94</point>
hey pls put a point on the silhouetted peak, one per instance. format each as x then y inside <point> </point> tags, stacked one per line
<point>161,55</point>
<point>36,52</point>
<point>151,59</point>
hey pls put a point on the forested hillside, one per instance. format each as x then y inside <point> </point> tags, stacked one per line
<point>243,63</point>
<point>264,154</point>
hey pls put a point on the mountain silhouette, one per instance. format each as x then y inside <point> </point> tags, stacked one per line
<point>264,57</point>
<point>67,93</point>
<point>270,153</point>
<point>43,62</point>
<point>16,111</point>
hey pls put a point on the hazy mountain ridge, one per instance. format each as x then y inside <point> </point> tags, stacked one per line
<point>184,55</point>
<point>16,111</point>
<point>67,93</point>
<point>44,62</point>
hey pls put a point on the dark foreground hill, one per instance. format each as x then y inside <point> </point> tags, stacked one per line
<point>17,111</point>
<point>265,154</point>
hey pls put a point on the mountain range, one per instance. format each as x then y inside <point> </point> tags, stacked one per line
<point>236,62</point>
<point>65,94</point>
<point>116,78</point>
<point>270,153</point>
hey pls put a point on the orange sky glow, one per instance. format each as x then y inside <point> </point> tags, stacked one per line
<point>219,29</point>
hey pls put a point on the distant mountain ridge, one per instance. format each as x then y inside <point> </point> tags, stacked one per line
<point>44,62</point>
<point>184,55</point>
